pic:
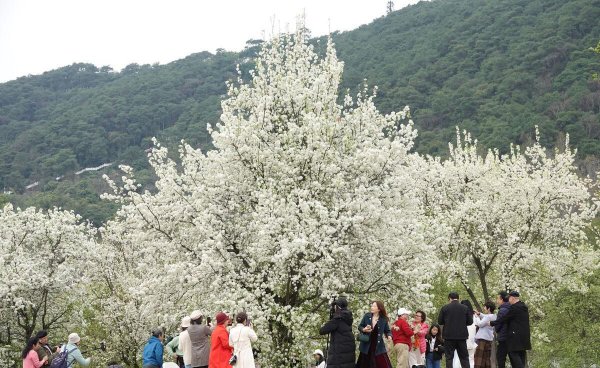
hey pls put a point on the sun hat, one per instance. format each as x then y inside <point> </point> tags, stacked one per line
<point>186,321</point>
<point>195,315</point>
<point>74,338</point>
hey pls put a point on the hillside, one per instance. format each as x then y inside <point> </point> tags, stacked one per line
<point>496,68</point>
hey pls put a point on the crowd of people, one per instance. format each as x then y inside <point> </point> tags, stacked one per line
<point>202,345</point>
<point>462,335</point>
<point>38,353</point>
<point>199,345</point>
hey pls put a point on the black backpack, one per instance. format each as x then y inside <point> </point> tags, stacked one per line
<point>62,359</point>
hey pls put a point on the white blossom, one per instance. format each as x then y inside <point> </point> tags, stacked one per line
<point>303,199</point>
<point>513,221</point>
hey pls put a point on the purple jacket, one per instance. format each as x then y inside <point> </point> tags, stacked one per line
<point>501,328</point>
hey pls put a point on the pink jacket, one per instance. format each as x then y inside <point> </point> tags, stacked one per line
<point>32,360</point>
<point>420,336</point>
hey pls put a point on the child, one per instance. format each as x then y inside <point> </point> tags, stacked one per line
<point>434,350</point>
<point>319,361</point>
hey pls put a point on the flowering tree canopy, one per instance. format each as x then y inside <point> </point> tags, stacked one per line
<point>514,220</point>
<point>302,199</point>
<point>42,263</point>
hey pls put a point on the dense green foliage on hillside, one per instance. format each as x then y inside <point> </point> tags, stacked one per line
<point>496,68</point>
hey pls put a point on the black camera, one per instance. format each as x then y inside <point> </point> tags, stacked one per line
<point>332,309</point>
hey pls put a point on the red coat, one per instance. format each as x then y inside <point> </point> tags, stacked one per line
<point>403,335</point>
<point>220,351</point>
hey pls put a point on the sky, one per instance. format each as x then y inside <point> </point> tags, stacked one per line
<point>41,35</point>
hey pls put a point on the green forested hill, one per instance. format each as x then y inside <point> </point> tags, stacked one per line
<point>494,67</point>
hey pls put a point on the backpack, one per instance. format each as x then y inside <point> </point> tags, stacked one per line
<point>62,359</point>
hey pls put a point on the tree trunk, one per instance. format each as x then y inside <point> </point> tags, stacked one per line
<point>283,340</point>
<point>471,295</point>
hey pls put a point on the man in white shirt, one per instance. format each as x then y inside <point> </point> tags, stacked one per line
<point>485,336</point>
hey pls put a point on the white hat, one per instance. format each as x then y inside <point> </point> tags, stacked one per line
<point>74,338</point>
<point>195,315</point>
<point>318,352</point>
<point>402,311</point>
<point>185,321</point>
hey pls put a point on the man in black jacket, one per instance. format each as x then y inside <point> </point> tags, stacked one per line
<point>454,318</point>
<point>518,338</point>
<point>503,307</point>
<point>342,351</point>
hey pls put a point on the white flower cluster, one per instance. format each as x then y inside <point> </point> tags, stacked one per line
<point>43,262</point>
<point>516,221</point>
<point>302,199</point>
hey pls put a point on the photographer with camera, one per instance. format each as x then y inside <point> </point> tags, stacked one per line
<point>342,347</point>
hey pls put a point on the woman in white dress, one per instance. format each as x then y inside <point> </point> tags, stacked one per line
<point>241,338</point>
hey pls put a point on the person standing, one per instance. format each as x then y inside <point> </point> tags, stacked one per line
<point>416,355</point>
<point>434,349</point>
<point>373,353</point>
<point>153,351</point>
<point>401,335</point>
<point>174,346</point>
<point>199,335</point>
<point>220,350</point>
<point>501,352</point>
<point>185,345</point>
<point>518,338</point>
<point>30,355</point>
<point>342,348</point>
<point>319,360</point>
<point>485,337</point>
<point>45,350</point>
<point>72,347</point>
<point>241,338</point>
<point>454,318</point>
<point>471,345</point>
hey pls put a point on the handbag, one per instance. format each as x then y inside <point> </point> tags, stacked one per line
<point>233,359</point>
<point>363,337</point>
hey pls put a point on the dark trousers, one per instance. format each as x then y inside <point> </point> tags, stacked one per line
<point>518,359</point>
<point>501,354</point>
<point>461,349</point>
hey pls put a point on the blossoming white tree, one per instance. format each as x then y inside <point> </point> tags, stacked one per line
<point>302,199</point>
<point>512,221</point>
<point>135,289</point>
<point>42,263</point>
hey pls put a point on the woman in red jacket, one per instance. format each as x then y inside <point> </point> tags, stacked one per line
<point>220,351</point>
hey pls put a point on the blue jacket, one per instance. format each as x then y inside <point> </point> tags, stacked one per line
<point>382,332</point>
<point>75,356</point>
<point>501,327</point>
<point>153,352</point>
